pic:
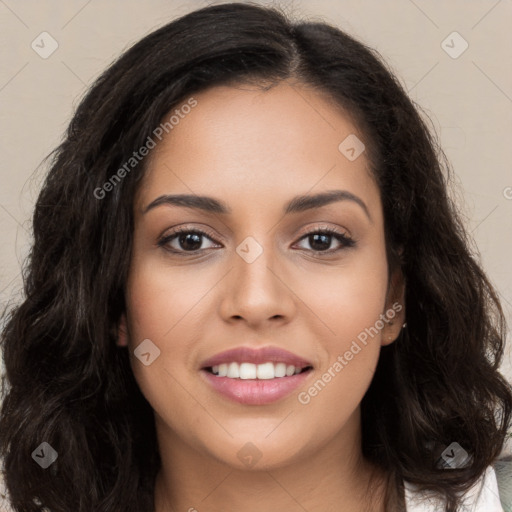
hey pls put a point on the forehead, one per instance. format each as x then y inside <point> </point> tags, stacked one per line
<point>248,143</point>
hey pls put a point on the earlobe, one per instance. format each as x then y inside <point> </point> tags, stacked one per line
<point>122,332</point>
<point>395,308</point>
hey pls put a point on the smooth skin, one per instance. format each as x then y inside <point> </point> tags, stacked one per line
<point>255,150</point>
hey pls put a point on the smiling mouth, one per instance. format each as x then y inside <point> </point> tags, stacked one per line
<point>251,371</point>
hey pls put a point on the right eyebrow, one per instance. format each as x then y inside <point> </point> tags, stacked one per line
<point>208,204</point>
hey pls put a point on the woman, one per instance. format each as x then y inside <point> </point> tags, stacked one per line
<point>249,289</point>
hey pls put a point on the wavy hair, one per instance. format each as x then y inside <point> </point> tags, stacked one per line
<point>66,381</point>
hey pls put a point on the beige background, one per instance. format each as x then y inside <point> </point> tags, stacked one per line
<point>469,98</point>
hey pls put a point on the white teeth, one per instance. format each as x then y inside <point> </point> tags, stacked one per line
<point>280,370</point>
<point>247,371</point>
<point>233,371</point>
<point>263,371</point>
<point>223,370</point>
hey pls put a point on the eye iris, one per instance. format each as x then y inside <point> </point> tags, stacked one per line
<point>184,241</point>
<point>325,239</point>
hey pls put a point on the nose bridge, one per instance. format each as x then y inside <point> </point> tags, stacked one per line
<point>255,291</point>
<point>253,263</point>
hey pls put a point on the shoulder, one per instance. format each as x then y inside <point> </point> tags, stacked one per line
<point>484,496</point>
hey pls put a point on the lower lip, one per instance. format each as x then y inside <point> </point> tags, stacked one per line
<point>255,391</point>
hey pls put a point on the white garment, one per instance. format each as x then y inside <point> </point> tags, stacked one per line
<point>487,500</point>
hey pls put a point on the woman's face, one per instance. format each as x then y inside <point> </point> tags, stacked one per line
<point>257,279</point>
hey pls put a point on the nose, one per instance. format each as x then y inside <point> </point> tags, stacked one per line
<point>257,292</point>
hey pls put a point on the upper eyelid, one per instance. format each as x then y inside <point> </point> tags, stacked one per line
<point>186,229</point>
<point>209,234</point>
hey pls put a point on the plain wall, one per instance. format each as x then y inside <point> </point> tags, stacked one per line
<point>468,98</point>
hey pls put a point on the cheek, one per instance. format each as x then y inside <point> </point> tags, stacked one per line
<point>157,306</point>
<point>349,301</point>
<point>351,353</point>
<point>347,298</point>
<point>157,299</point>
<point>166,306</point>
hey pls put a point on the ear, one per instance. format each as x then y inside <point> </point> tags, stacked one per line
<point>122,332</point>
<point>395,308</point>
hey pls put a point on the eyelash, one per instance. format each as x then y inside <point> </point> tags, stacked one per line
<point>345,241</point>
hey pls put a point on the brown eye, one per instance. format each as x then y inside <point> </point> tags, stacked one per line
<point>320,240</point>
<point>185,241</point>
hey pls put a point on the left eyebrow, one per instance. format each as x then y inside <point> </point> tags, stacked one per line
<point>295,205</point>
<point>306,202</point>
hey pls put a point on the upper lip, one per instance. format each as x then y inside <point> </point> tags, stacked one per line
<point>256,356</point>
